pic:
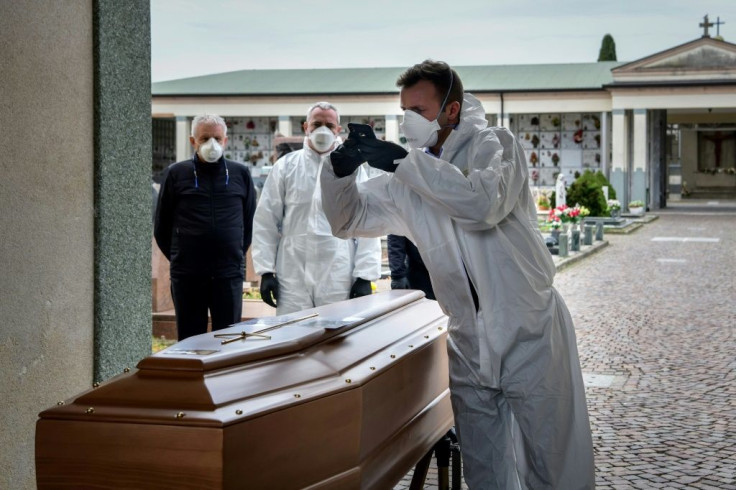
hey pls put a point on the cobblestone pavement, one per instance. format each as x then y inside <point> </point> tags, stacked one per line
<point>655,314</point>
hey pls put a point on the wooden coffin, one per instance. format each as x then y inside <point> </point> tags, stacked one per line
<point>350,398</point>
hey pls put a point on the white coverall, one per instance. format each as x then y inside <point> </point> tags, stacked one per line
<point>291,237</point>
<point>515,379</point>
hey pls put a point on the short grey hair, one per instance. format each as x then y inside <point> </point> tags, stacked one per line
<point>325,106</point>
<point>208,119</point>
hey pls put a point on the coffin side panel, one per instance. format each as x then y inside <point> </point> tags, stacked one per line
<point>74,454</point>
<point>393,459</point>
<point>406,410</point>
<point>396,396</point>
<point>301,446</point>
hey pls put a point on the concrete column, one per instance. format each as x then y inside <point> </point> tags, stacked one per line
<point>76,287</point>
<point>392,128</point>
<point>640,154</point>
<point>285,128</point>
<point>605,144</point>
<point>657,159</point>
<point>47,219</point>
<point>620,151</point>
<point>183,132</point>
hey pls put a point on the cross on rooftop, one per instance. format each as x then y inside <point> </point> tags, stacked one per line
<point>705,24</point>
<point>718,24</point>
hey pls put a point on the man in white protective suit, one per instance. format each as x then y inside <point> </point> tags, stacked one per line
<point>461,194</point>
<point>301,263</point>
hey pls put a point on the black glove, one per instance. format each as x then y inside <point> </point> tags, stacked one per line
<point>269,289</point>
<point>346,158</point>
<point>381,154</point>
<point>400,283</point>
<point>361,287</point>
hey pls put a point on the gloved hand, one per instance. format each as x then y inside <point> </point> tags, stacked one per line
<point>269,289</point>
<point>346,158</point>
<point>400,283</point>
<point>381,154</point>
<point>361,287</point>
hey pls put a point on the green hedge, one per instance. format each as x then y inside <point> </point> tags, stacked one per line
<point>587,190</point>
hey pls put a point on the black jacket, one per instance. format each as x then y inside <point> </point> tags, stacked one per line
<point>204,217</point>
<point>404,261</point>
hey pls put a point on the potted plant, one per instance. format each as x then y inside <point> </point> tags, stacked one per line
<point>614,208</point>
<point>636,207</point>
<point>554,223</point>
<point>543,202</point>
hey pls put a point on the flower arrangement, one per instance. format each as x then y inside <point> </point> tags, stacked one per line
<point>636,204</point>
<point>567,214</point>
<point>613,205</point>
<point>554,222</point>
<point>583,212</point>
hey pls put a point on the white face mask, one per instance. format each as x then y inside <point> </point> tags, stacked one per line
<point>419,132</point>
<point>211,151</point>
<point>322,139</point>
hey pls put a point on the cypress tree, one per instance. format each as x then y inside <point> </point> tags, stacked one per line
<point>608,49</point>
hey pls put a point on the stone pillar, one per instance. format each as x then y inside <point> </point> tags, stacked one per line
<point>392,128</point>
<point>76,292</point>
<point>599,231</point>
<point>122,185</point>
<point>183,131</point>
<point>605,144</point>
<point>639,181</point>
<point>285,128</point>
<point>588,237</point>
<point>563,244</point>
<point>657,159</point>
<point>620,154</point>
<point>47,220</point>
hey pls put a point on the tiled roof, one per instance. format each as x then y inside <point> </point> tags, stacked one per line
<point>478,79</point>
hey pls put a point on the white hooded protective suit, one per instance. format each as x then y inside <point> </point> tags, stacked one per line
<point>517,389</point>
<point>291,237</point>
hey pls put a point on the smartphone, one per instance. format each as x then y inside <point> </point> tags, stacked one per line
<point>362,130</point>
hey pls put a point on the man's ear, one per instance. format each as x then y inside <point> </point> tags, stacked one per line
<point>453,114</point>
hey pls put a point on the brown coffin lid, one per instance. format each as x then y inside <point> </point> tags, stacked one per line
<point>299,331</point>
<point>202,382</point>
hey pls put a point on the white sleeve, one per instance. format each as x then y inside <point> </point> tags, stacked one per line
<point>364,209</point>
<point>267,222</point>
<point>495,180</point>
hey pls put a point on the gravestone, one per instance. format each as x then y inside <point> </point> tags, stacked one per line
<point>160,281</point>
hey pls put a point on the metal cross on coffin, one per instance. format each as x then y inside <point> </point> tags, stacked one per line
<point>244,335</point>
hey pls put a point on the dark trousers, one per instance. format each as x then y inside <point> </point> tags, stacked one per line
<point>193,296</point>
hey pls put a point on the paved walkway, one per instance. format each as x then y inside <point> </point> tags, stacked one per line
<point>655,314</point>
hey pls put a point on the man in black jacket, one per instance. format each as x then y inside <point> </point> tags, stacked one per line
<point>407,268</point>
<point>204,225</point>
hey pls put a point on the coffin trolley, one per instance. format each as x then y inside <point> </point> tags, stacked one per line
<point>345,396</point>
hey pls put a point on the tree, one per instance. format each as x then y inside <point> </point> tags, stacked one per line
<point>608,49</point>
<point>586,191</point>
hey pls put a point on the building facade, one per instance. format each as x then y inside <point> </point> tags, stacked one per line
<point>660,125</point>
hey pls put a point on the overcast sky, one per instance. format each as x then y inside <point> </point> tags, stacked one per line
<point>200,37</point>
